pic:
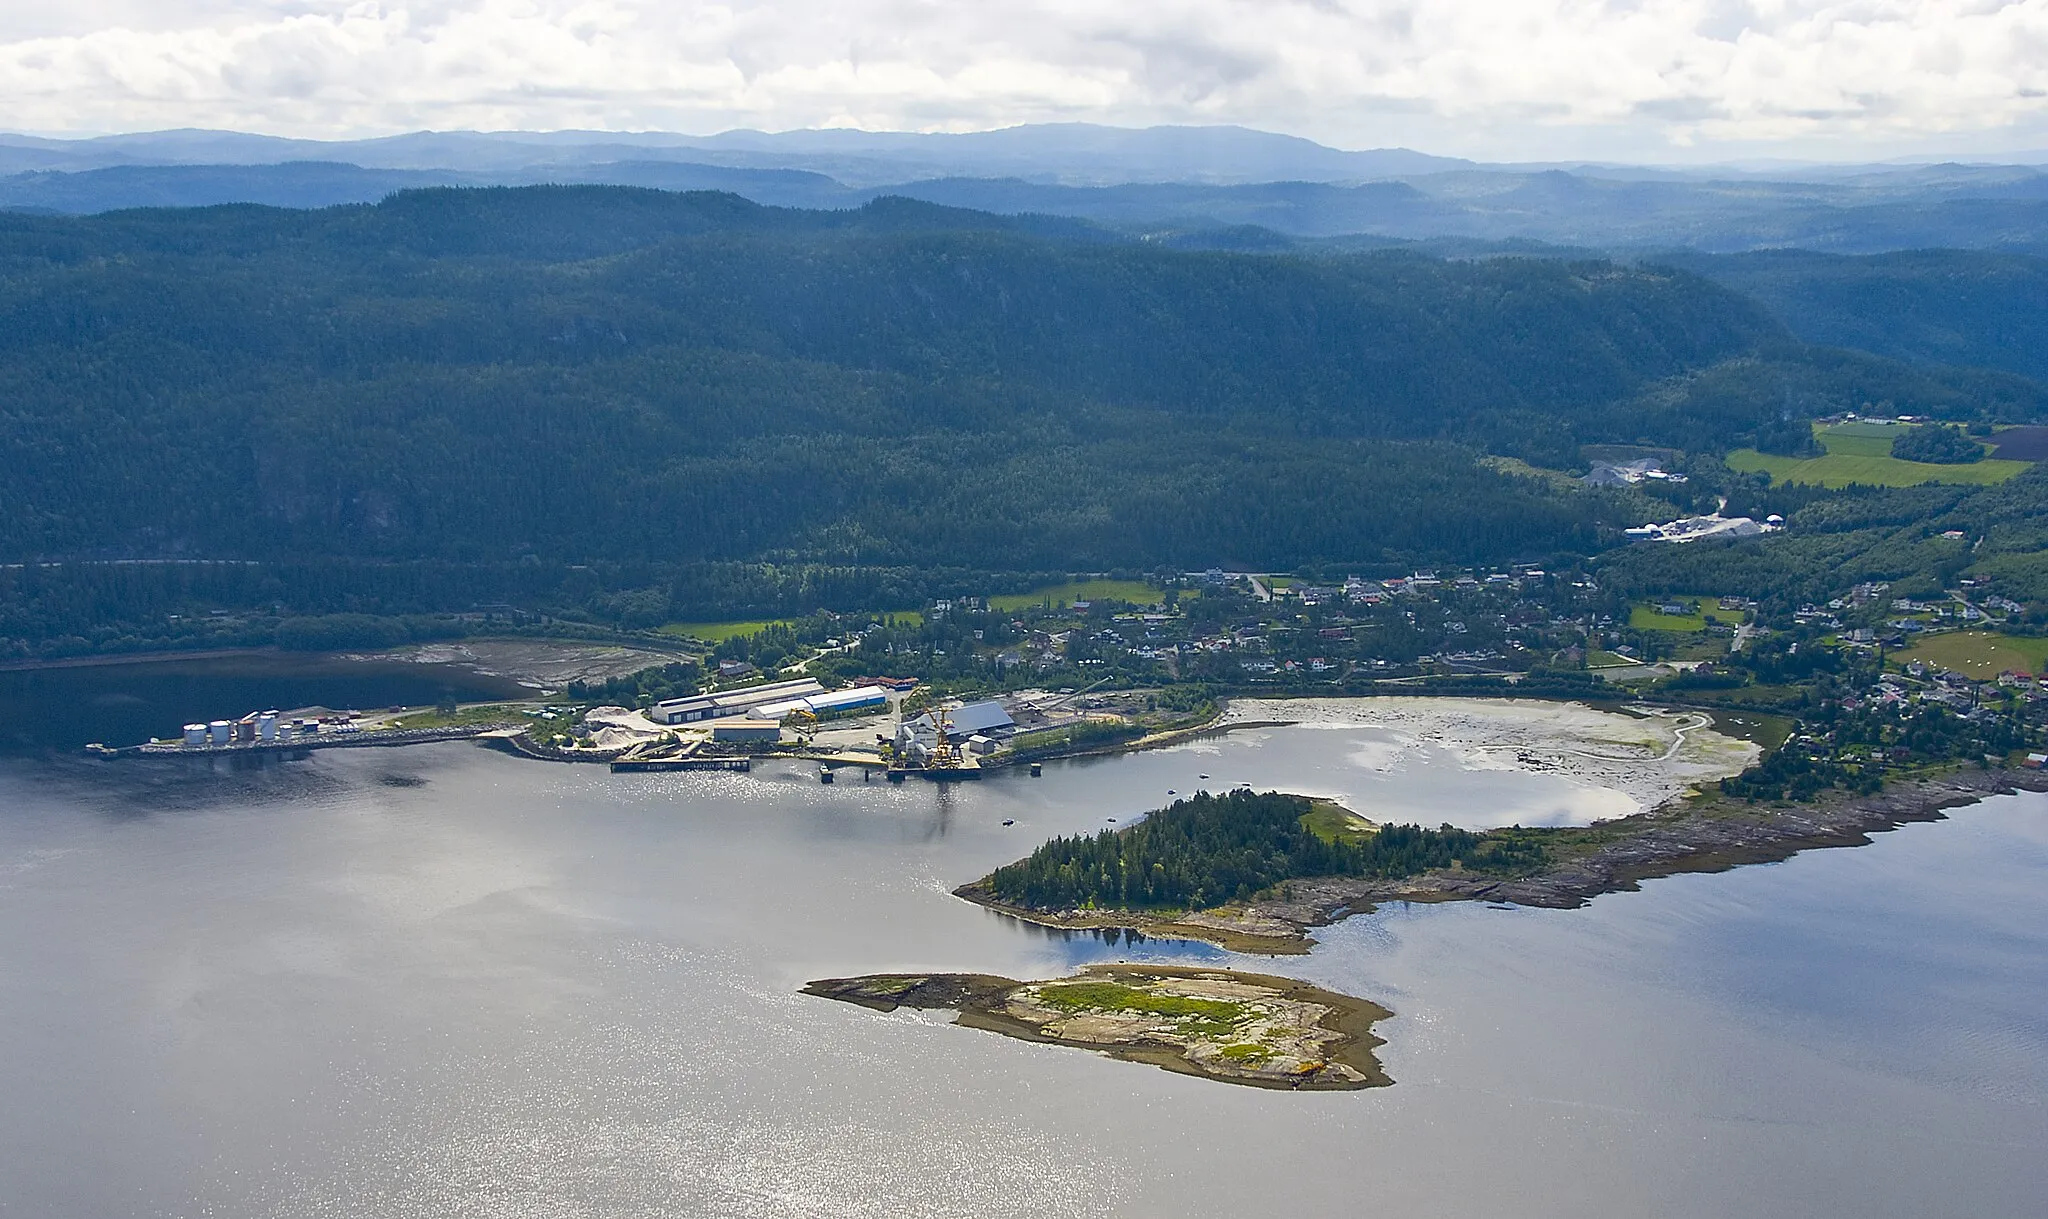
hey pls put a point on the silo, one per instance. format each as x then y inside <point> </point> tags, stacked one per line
<point>220,732</point>
<point>195,735</point>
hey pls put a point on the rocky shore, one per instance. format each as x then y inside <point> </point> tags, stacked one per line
<point>1702,834</point>
<point>1219,1024</point>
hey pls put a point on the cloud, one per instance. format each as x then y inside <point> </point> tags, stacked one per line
<point>1458,75</point>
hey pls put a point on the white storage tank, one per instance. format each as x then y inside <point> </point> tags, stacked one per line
<point>220,732</point>
<point>195,735</point>
<point>266,726</point>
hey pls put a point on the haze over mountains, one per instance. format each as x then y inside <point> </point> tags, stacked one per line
<point>1219,186</point>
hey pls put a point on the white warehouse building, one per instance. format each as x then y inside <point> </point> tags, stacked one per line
<point>731,702</point>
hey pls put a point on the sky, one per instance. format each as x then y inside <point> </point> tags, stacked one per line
<point>1653,80</point>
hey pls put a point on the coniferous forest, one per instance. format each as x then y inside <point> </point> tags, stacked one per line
<point>628,406</point>
<point>1207,849</point>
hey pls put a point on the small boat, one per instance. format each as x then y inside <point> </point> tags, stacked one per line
<point>1112,820</point>
<point>1036,770</point>
<point>1171,792</point>
<point>824,774</point>
<point>1011,821</point>
<point>1201,776</point>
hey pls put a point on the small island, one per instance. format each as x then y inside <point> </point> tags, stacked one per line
<point>1255,871</point>
<point>1239,1028</point>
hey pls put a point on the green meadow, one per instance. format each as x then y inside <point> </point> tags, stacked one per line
<point>1981,654</point>
<point>1861,453</point>
<point>1137,592</point>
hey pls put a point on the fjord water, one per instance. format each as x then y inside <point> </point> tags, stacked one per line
<point>130,701</point>
<point>439,981</point>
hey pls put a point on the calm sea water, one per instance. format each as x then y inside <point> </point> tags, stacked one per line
<point>129,702</point>
<point>443,982</point>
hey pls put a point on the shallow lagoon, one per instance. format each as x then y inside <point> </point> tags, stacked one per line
<point>440,981</point>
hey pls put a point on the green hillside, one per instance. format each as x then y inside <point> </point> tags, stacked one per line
<point>603,373</point>
<point>656,407</point>
<point>1860,453</point>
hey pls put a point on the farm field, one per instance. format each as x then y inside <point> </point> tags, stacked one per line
<point>1861,453</point>
<point>1644,615</point>
<point>1981,654</point>
<point>2021,444</point>
<point>1137,592</point>
<point>718,632</point>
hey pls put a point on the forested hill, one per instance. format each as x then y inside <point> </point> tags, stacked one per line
<point>1960,307</point>
<point>568,374</point>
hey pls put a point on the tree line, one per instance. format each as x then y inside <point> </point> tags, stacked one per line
<point>1206,849</point>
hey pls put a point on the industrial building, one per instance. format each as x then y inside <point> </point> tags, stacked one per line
<point>769,702</point>
<point>858,698</point>
<point>987,718</point>
<point>838,702</point>
<point>918,738</point>
<point>731,702</point>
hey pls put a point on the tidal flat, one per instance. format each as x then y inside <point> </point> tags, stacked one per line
<point>1603,763</point>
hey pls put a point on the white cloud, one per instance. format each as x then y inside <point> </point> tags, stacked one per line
<point>1488,76</point>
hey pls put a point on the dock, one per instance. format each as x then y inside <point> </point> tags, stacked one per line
<point>365,739</point>
<point>935,774</point>
<point>636,766</point>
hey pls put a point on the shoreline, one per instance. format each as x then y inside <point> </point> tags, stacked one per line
<point>104,659</point>
<point>1607,857</point>
<point>1282,1033</point>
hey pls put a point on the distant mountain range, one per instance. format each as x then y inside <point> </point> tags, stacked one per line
<point>1221,186</point>
<point>1067,153</point>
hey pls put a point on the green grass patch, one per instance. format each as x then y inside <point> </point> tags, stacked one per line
<point>718,632</point>
<point>1861,453</point>
<point>1611,660</point>
<point>1645,616</point>
<point>1208,1017</point>
<point>1515,467</point>
<point>1247,1052</point>
<point>1059,596</point>
<point>1769,731</point>
<point>470,717</point>
<point>1872,430</point>
<point>1334,823</point>
<point>1981,654</point>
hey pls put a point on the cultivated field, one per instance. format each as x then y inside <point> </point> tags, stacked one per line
<point>1644,615</point>
<point>1861,453</point>
<point>718,632</point>
<point>1137,592</point>
<point>1981,654</point>
<point>2021,444</point>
